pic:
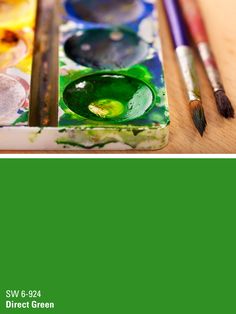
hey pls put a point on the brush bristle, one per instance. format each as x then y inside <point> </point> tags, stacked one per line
<point>198,116</point>
<point>224,105</point>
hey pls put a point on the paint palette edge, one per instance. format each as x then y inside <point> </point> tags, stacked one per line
<point>26,138</point>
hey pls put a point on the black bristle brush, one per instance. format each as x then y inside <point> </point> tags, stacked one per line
<point>198,31</point>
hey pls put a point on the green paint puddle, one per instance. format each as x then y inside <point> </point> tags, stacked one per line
<point>109,97</point>
<point>157,113</point>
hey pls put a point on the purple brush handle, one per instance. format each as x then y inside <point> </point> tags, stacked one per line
<point>176,22</point>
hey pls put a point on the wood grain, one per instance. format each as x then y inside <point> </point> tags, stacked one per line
<point>220,137</point>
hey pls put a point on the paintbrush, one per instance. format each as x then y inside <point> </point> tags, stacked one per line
<point>186,61</point>
<point>44,82</point>
<point>198,31</point>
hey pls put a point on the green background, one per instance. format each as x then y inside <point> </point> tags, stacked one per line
<point>120,236</point>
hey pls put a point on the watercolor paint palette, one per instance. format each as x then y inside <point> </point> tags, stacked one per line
<point>111,86</point>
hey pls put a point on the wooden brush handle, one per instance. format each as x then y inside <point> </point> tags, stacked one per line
<point>195,23</point>
<point>44,82</point>
<point>192,15</point>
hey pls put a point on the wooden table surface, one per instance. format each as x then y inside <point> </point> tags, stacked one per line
<point>220,18</point>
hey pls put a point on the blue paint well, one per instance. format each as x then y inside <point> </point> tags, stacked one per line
<point>74,16</point>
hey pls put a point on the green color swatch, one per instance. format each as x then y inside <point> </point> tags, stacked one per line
<point>119,236</point>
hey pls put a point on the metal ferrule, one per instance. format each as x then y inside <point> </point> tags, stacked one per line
<point>187,66</point>
<point>210,66</point>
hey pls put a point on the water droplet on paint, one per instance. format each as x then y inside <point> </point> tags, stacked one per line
<point>85,47</point>
<point>116,36</point>
<point>81,85</point>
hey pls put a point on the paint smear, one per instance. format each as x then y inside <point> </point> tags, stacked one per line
<point>13,49</point>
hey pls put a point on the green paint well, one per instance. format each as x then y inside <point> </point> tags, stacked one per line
<point>157,115</point>
<point>109,97</point>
